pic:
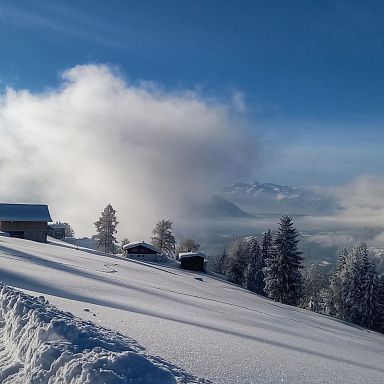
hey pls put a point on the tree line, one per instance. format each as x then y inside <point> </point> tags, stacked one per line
<point>356,290</point>
<point>271,267</point>
<point>274,267</point>
<point>162,238</point>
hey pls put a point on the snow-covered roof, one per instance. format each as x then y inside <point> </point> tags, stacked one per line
<point>184,255</point>
<point>142,243</point>
<point>24,212</point>
<point>57,226</point>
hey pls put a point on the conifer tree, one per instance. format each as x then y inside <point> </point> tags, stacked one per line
<point>283,280</point>
<point>354,284</point>
<point>106,230</point>
<point>254,279</point>
<point>315,288</point>
<point>338,285</point>
<point>356,289</point>
<point>380,290</point>
<point>237,262</point>
<point>163,237</point>
<point>372,311</point>
<point>222,262</point>
<point>266,244</point>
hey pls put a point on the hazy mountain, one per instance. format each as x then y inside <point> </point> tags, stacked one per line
<point>218,207</point>
<point>274,198</point>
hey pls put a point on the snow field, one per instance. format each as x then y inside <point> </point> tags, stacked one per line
<point>198,325</point>
<point>39,344</point>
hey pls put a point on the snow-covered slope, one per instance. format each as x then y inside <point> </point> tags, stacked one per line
<point>281,199</point>
<point>40,344</point>
<point>206,326</point>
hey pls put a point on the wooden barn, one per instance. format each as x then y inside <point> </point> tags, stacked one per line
<point>140,250</point>
<point>193,261</point>
<point>25,221</point>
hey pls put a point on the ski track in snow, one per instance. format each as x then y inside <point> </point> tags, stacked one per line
<point>41,345</point>
<point>110,269</point>
<point>209,327</point>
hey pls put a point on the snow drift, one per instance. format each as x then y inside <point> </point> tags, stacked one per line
<point>40,344</point>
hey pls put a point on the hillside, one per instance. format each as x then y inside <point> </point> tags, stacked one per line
<point>197,323</point>
<point>219,208</point>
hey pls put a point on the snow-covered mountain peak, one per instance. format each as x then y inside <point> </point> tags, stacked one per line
<point>266,188</point>
<point>275,198</point>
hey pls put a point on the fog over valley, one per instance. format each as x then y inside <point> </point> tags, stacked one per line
<point>154,153</point>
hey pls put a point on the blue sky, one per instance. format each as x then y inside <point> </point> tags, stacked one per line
<point>310,73</point>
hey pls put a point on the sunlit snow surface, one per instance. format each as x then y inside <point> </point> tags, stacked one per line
<point>203,325</point>
<point>40,344</point>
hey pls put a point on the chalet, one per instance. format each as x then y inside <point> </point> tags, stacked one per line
<point>143,251</point>
<point>25,221</point>
<point>194,261</point>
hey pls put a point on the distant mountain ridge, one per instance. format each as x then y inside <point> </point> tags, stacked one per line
<point>219,207</point>
<point>275,198</point>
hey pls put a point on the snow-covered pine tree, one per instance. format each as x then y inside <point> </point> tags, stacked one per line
<point>315,288</point>
<point>266,244</point>
<point>283,280</point>
<point>237,262</point>
<point>254,278</point>
<point>372,311</point>
<point>338,282</point>
<point>163,237</point>
<point>221,262</point>
<point>354,284</point>
<point>380,284</point>
<point>106,229</point>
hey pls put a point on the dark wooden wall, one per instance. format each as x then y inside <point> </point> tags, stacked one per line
<point>195,263</point>
<point>140,250</point>
<point>29,230</point>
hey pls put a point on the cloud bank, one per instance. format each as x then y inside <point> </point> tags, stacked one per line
<point>361,217</point>
<point>363,200</point>
<point>97,139</point>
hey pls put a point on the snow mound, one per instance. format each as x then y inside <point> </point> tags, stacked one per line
<point>40,344</point>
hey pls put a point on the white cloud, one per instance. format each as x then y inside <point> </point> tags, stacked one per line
<point>362,201</point>
<point>361,217</point>
<point>333,239</point>
<point>238,102</point>
<point>97,139</point>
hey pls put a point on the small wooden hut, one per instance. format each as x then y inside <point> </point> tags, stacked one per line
<point>193,261</point>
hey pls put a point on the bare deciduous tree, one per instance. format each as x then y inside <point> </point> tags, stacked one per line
<point>163,238</point>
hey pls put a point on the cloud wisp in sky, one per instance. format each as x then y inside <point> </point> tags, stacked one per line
<point>361,200</point>
<point>96,139</point>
